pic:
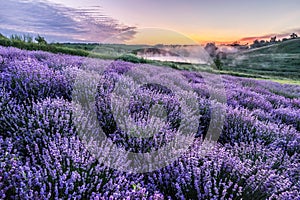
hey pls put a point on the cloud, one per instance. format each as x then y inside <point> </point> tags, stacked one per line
<point>59,22</point>
<point>268,36</point>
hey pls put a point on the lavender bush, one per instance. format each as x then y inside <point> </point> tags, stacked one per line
<point>43,157</point>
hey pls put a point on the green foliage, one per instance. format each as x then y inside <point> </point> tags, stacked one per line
<point>2,36</point>
<point>287,46</point>
<point>218,63</point>
<point>40,40</point>
<point>28,38</point>
<point>26,42</point>
<point>16,38</point>
<point>132,58</point>
<point>280,61</point>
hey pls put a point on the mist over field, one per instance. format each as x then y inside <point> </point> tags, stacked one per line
<point>193,54</point>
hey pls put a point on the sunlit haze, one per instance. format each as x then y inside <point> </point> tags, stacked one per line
<point>202,21</point>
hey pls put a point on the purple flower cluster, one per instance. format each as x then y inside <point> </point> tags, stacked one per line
<point>142,100</point>
<point>265,100</point>
<point>35,75</point>
<point>43,157</point>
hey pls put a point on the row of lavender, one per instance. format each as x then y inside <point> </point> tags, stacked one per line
<point>42,157</point>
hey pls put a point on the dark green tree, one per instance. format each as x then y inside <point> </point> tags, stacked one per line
<point>40,40</point>
<point>218,62</point>
<point>293,35</point>
<point>27,38</point>
<point>273,39</point>
<point>16,38</point>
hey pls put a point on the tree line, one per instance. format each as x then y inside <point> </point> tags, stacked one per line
<point>31,43</point>
<point>273,40</point>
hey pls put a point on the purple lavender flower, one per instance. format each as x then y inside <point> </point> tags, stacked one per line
<point>42,156</point>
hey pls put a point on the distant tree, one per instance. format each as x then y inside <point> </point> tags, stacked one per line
<point>40,40</point>
<point>260,43</point>
<point>211,49</point>
<point>235,44</point>
<point>255,44</point>
<point>293,35</point>
<point>239,46</point>
<point>16,37</point>
<point>273,39</point>
<point>27,38</point>
<point>284,39</point>
<point>218,63</point>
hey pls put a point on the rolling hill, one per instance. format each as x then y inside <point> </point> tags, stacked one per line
<point>278,61</point>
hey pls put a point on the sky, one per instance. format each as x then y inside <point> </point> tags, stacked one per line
<point>151,21</point>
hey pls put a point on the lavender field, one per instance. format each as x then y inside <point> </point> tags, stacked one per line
<point>43,156</point>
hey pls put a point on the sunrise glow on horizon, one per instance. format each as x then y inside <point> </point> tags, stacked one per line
<point>197,21</point>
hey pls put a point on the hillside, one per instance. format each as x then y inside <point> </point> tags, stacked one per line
<point>289,46</point>
<point>278,61</point>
